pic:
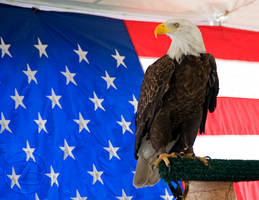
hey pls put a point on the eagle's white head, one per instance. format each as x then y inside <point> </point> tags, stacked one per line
<point>186,38</point>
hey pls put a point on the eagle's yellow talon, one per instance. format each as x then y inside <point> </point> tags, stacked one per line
<point>203,160</point>
<point>164,157</point>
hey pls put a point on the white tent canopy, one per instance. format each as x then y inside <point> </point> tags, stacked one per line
<point>242,14</point>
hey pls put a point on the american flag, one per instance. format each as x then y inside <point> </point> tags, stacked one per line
<point>69,86</point>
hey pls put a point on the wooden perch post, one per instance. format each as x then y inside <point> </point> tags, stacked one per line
<point>202,190</point>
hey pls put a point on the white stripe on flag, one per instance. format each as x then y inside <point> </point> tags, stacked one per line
<point>237,78</point>
<point>228,146</point>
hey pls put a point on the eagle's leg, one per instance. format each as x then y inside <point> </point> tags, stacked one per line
<point>164,157</point>
<point>189,131</point>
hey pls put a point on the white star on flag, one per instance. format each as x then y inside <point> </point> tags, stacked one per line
<point>78,197</point>
<point>134,102</point>
<point>14,178</point>
<point>112,151</point>
<point>69,76</point>
<point>82,123</point>
<point>41,123</point>
<point>29,152</point>
<point>109,80</point>
<point>125,125</point>
<point>124,196</point>
<point>30,74</point>
<point>36,197</point>
<point>119,59</point>
<point>67,150</point>
<point>82,54</point>
<point>4,124</point>
<point>54,99</point>
<point>42,48</point>
<point>53,176</point>
<point>18,99</point>
<point>5,48</point>
<point>97,102</point>
<point>167,196</point>
<point>96,175</point>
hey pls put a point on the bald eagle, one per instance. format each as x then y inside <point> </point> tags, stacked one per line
<point>176,93</point>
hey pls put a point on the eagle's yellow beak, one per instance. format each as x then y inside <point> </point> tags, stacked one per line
<point>161,29</point>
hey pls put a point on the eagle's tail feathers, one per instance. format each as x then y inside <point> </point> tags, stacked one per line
<point>145,174</point>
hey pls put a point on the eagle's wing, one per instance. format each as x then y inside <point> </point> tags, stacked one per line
<point>155,84</point>
<point>212,91</point>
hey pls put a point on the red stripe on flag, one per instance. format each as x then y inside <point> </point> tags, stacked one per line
<point>247,190</point>
<point>234,116</point>
<point>222,42</point>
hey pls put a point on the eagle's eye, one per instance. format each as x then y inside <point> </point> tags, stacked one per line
<point>176,25</point>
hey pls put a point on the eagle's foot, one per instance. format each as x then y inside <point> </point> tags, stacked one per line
<point>204,160</point>
<point>164,157</point>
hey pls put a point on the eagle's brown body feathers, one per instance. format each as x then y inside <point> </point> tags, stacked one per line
<point>174,100</point>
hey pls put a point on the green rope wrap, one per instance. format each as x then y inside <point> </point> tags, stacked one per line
<point>185,169</point>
